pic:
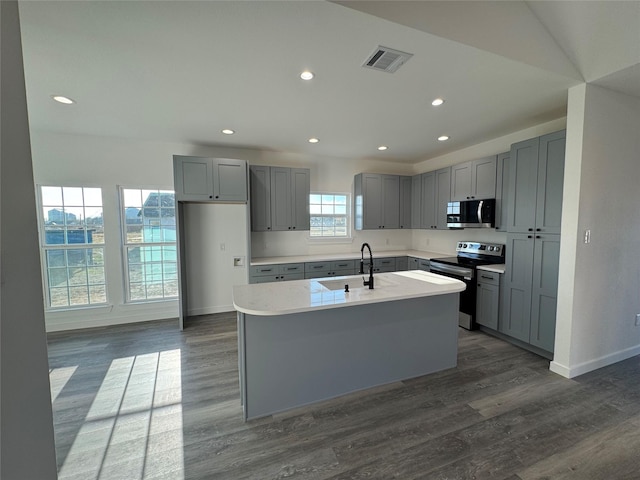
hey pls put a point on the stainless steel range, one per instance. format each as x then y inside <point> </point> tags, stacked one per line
<point>463,267</point>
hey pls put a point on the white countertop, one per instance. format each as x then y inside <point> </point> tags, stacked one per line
<point>279,298</point>
<point>328,257</point>
<point>497,268</point>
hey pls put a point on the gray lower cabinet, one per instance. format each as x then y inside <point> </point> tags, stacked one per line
<point>377,201</point>
<point>276,272</point>
<point>279,198</point>
<point>402,264</point>
<point>488,298</point>
<point>531,288</point>
<point>203,179</point>
<point>474,180</point>
<point>329,269</point>
<point>418,264</point>
<point>536,176</point>
<point>380,265</point>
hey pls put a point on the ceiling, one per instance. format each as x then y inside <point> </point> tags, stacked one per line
<point>181,71</point>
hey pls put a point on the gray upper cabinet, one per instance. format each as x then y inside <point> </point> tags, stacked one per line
<point>436,194</point>
<point>290,188</point>
<point>377,202</point>
<point>536,177</point>
<point>260,180</point>
<point>202,179</point>
<point>428,219</point>
<point>474,180</point>
<point>279,198</point>
<point>406,201</point>
<point>416,201</point>
<point>502,191</point>
<point>443,196</point>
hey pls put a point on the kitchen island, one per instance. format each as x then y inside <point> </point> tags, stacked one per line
<point>305,341</point>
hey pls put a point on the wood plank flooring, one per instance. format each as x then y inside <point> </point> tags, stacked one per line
<point>146,401</point>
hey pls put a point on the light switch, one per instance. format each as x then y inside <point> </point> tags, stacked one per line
<point>587,236</point>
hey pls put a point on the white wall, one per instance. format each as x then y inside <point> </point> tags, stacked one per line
<point>598,293</point>
<point>27,445</point>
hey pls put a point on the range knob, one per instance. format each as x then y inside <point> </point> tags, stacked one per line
<point>459,245</point>
<point>464,245</point>
<point>497,249</point>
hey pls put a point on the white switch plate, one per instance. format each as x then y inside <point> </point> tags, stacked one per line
<point>637,319</point>
<point>587,236</point>
<point>223,246</point>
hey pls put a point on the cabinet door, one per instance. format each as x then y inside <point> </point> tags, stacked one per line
<point>550,182</point>
<point>300,189</point>
<point>416,200</point>
<point>544,293</point>
<point>390,201</point>
<point>412,263</point>
<point>428,200</point>
<point>523,180</point>
<point>518,282</point>
<point>371,201</point>
<point>461,181</point>
<point>229,180</point>
<point>443,197</point>
<point>280,198</point>
<point>487,304</point>
<point>260,180</point>
<point>502,191</point>
<point>483,178</point>
<point>405,202</point>
<point>193,179</point>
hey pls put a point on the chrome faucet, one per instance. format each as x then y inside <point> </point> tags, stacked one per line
<point>370,282</point>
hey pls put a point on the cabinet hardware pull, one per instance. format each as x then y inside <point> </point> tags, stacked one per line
<point>529,236</point>
<point>210,196</point>
<point>538,236</point>
<point>530,229</point>
<point>538,229</point>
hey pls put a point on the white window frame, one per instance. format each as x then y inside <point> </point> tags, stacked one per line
<point>349,217</point>
<point>125,245</point>
<point>44,248</point>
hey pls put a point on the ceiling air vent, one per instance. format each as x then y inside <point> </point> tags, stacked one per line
<point>386,59</point>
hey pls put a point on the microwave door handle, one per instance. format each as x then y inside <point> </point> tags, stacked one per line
<point>480,211</point>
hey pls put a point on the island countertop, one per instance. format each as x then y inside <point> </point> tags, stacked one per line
<point>297,296</point>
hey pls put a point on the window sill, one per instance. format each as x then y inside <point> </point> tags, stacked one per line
<point>105,307</point>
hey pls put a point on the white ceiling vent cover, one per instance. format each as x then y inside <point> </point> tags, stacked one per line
<point>386,59</point>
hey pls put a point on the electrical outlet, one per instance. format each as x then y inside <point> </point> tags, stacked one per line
<point>238,261</point>
<point>637,319</point>
<point>386,241</point>
<point>223,246</point>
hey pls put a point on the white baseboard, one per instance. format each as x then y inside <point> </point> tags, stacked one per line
<point>590,365</point>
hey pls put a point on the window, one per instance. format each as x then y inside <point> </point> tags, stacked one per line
<point>329,215</point>
<point>72,239</point>
<point>149,230</point>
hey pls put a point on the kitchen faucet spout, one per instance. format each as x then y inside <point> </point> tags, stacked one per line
<point>368,283</point>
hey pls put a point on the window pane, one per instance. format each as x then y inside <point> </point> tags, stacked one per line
<point>72,196</point>
<point>51,196</point>
<point>134,234</point>
<point>57,277</point>
<point>59,297</point>
<point>132,198</point>
<point>97,294</point>
<point>327,209</point>
<point>341,209</point>
<point>327,199</point>
<point>330,210</point>
<point>313,209</point>
<point>93,197</point>
<point>340,200</point>
<point>315,198</point>
<point>79,295</point>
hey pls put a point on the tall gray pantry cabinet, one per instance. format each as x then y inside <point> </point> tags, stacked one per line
<point>203,180</point>
<point>536,176</point>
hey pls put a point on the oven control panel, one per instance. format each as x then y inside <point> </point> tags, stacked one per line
<point>492,249</point>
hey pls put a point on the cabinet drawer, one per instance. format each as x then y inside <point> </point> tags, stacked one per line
<point>343,265</point>
<point>260,270</point>
<point>424,265</point>
<point>317,267</point>
<point>288,268</point>
<point>292,276</point>
<point>492,278</point>
<point>264,278</point>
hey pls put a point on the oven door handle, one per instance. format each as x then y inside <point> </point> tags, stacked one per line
<point>465,273</point>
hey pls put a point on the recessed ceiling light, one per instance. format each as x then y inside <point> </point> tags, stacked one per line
<point>437,102</point>
<point>63,99</point>
<point>443,138</point>
<point>313,140</point>
<point>382,148</point>
<point>306,75</point>
<point>228,131</point>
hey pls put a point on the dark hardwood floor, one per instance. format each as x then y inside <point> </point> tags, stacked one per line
<point>148,401</point>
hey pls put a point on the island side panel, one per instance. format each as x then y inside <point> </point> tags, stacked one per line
<point>297,359</point>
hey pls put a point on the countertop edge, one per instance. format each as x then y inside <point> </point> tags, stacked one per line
<point>496,268</point>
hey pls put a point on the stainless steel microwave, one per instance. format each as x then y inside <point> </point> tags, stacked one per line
<point>472,214</point>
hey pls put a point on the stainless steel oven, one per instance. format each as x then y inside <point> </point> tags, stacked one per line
<point>463,267</point>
